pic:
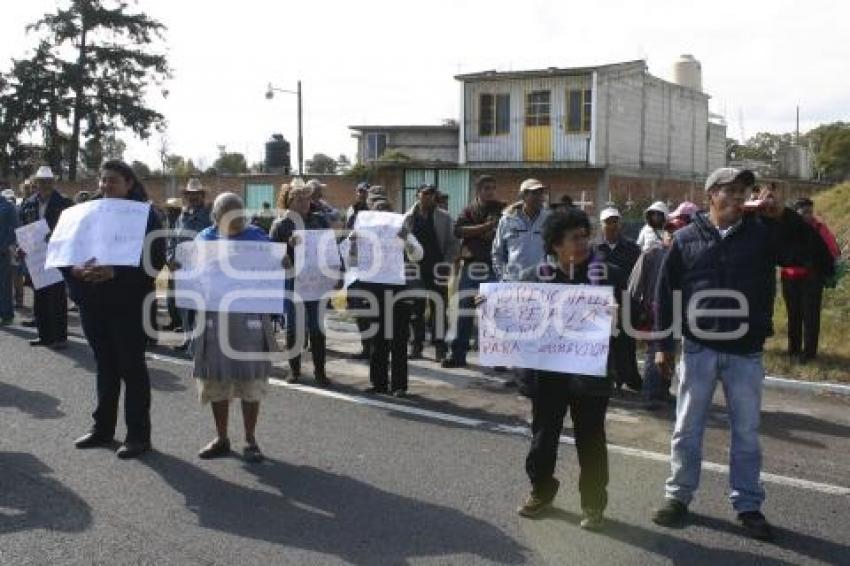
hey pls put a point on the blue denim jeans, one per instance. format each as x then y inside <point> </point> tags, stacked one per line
<point>742,377</point>
<point>7,309</point>
<point>464,324</point>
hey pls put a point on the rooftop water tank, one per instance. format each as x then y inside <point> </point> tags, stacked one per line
<point>687,72</point>
<point>277,155</point>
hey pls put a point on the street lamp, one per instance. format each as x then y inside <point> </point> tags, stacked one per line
<point>270,90</point>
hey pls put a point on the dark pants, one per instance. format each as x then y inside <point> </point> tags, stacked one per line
<point>625,360</point>
<point>311,328</point>
<point>464,324</point>
<point>549,407</point>
<point>803,298</point>
<point>7,309</point>
<point>390,340</point>
<point>435,303</point>
<point>171,303</point>
<point>50,309</point>
<point>356,303</point>
<point>117,338</point>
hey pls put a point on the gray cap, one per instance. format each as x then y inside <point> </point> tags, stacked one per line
<point>727,175</point>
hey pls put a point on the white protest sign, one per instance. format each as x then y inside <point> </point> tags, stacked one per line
<point>546,326</point>
<point>230,276</point>
<point>380,252</point>
<point>32,238</point>
<point>112,231</point>
<point>317,264</point>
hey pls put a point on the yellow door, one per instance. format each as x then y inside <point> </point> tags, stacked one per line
<point>537,136</point>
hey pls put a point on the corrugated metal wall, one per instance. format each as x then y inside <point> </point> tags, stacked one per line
<point>453,182</point>
<point>565,146</point>
<point>257,194</point>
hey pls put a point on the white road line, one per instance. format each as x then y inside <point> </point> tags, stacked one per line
<point>788,481</point>
<point>523,431</point>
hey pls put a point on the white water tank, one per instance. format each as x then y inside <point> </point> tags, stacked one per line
<point>687,72</point>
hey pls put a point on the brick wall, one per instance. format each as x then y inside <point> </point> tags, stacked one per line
<point>339,191</point>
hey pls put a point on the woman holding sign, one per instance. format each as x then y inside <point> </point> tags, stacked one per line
<point>221,377</point>
<point>295,200</point>
<point>111,301</point>
<point>566,237</point>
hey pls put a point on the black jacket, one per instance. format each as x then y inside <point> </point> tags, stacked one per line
<point>614,277</point>
<point>624,255</point>
<point>744,262</point>
<point>131,284</point>
<point>55,205</point>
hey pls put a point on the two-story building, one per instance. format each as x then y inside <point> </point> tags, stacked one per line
<point>605,133</point>
<point>608,133</point>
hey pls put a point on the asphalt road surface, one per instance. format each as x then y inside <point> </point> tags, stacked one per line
<point>433,479</point>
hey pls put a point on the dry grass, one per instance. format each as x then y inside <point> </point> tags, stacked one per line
<point>833,363</point>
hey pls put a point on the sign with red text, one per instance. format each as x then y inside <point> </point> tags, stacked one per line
<point>546,326</point>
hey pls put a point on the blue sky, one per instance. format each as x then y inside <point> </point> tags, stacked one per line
<point>387,62</point>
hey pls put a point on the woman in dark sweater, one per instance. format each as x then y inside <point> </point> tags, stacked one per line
<point>566,238</point>
<point>111,301</point>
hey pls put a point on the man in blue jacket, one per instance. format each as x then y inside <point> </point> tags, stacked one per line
<point>722,267</point>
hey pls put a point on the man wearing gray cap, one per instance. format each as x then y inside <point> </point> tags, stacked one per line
<point>518,244</point>
<point>720,267</point>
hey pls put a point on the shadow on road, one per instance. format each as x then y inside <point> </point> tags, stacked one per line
<point>34,403</point>
<point>30,499</point>
<point>324,512</point>
<point>677,550</point>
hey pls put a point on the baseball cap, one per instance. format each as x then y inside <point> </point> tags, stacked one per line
<point>174,202</point>
<point>362,186</point>
<point>726,175</point>
<point>658,206</point>
<point>44,172</point>
<point>426,187</point>
<point>686,209</point>
<point>531,185</point>
<point>609,212</point>
<point>194,186</point>
<point>315,184</point>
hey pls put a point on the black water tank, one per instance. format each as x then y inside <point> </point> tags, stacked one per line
<point>277,155</point>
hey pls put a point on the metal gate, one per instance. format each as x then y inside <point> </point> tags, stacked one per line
<point>257,194</point>
<point>453,182</point>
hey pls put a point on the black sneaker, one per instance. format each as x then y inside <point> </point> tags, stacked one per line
<point>756,525</point>
<point>671,514</point>
<point>451,363</point>
<point>593,520</point>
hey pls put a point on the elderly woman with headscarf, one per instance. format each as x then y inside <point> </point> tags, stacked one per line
<point>220,377</point>
<point>111,301</point>
<point>295,201</point>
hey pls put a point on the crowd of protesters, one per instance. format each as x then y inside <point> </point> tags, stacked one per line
<point>734,244</point>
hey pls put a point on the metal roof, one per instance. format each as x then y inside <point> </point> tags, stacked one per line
<point>415,128</point>
<point>551,71</point>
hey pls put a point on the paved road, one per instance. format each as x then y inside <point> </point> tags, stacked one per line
<point>434,479</point>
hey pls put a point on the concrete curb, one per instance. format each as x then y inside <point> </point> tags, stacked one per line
<point>807,386</point>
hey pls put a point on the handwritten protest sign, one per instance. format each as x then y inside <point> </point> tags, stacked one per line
<point>380,252</point>
<point>230,276</point>
<point>546,326</point>
<point>112,231</point>
<point>32,238</point>
<point>317,264</point>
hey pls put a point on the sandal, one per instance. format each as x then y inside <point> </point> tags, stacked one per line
<point>215,449</point>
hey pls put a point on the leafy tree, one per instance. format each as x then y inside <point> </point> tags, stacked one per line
<point>33,97</point>
<point>231,163</point>
<point>321,164</point>
<point>112,67</point>
<point>834,155</point>
<point>343,164</point>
